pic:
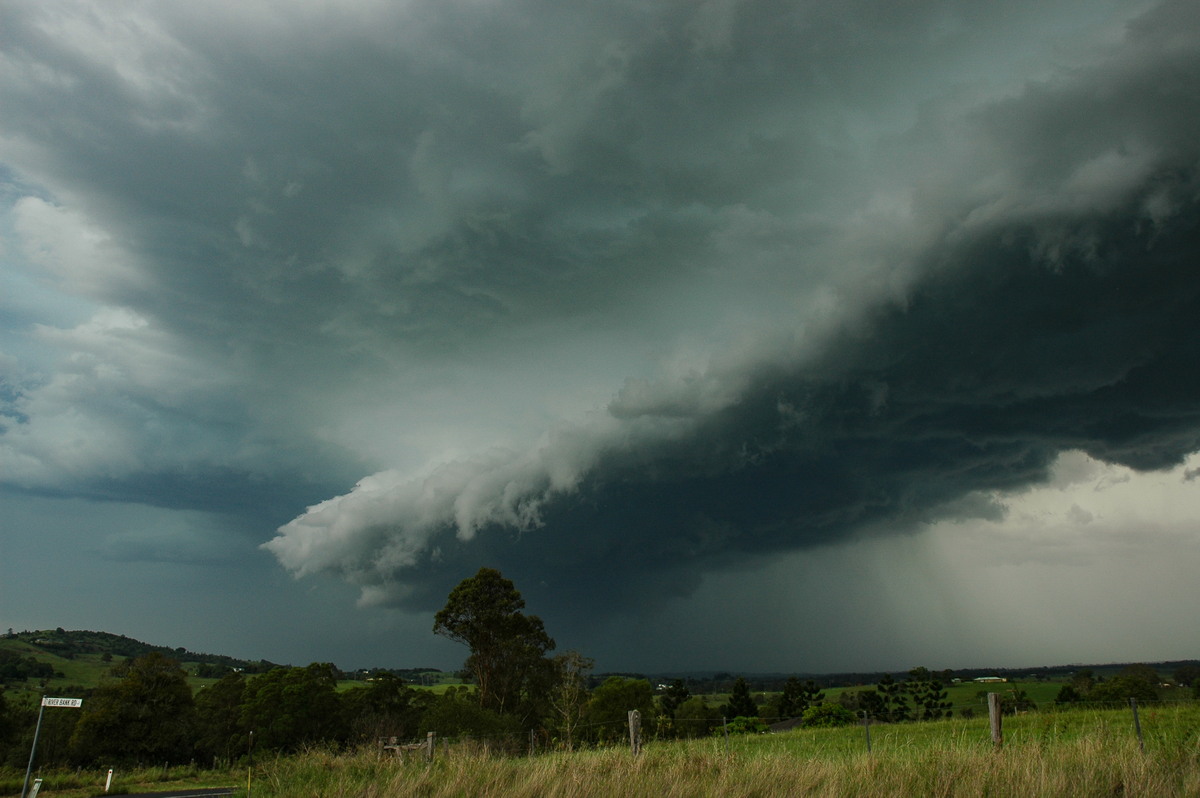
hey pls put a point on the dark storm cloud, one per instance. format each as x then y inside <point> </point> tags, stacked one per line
<point>847,268</point>
<point>417,176</point>
<point>990,370</point>
<point>1054,308</point>
<point>360,190</point>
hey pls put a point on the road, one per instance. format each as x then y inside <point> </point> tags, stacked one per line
<point>195,792</point>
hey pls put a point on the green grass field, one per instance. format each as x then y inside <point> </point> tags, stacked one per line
<point>1062,754</point>
<point>1069,754</point>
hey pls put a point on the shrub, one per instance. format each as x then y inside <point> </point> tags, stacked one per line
<point>743,725</point>
<point>827,715</point>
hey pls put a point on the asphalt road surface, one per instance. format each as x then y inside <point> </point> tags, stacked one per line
<point>204,792</point>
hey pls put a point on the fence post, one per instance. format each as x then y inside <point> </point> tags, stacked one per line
<point>429,746</point>
<point>725,728</point>
<point>249,761</point>
<point>635,731</point>
<point>1137,724</point>
<point>994,718</point>
<point>867,728</point>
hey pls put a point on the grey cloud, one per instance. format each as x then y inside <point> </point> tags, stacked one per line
<point>1078,515</point>
<point>368,192</point>
<point>992,369</point>
<point>839,269</point>
<point>1056,311</point>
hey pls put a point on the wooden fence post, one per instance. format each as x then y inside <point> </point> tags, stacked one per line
<point>429,747</point>
<point>1137,724</point>
<point>994,717</point>
<point>635,731</point>
<point>867,728</point>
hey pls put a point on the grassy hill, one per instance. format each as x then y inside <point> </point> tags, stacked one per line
<point>77,661</point>
<point>70,645</point>
<point>71,662</point>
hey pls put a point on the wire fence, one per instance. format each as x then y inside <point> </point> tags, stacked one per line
<point>1163,722</point>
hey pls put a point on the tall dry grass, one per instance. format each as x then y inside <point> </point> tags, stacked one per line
<point>1057,754</point>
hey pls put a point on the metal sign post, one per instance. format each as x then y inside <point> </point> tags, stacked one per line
<point>47,701</point>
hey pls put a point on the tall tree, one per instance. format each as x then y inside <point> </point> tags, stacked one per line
<point>570,694</point>
<point>928,693</point>
<point>676,693</point>
<point>787,699</point>
<point>741,703</point>
<point>508,648</point>
<point>147,714</point>
<point>1083,681</point>
<point>218,713</point>
<point>894,701</point>
<point>797,696</point>
<point>607,712</point>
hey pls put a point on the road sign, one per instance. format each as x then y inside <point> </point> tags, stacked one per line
<point>47,701</point>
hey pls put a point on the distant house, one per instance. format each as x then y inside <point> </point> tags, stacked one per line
<point>990,679</point>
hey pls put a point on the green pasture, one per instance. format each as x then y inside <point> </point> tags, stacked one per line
<point>1067,753</point>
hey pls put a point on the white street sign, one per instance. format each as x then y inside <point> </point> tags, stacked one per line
<point>47,701</point>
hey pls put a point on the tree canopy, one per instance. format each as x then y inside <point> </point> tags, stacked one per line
<point>607,713</point>
<point>147,714</point>
<point>741,704</point>
<point>508,647</point>
<point>290,707</point>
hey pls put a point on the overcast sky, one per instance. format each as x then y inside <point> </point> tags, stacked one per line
<point>740,334</point>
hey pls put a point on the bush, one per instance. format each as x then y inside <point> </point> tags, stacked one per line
<point>457,714</point>
<point>695,718</point>
<point>827,715</point>
<point>744,725</point>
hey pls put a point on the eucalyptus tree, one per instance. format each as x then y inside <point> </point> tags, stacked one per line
<point>508,648</point>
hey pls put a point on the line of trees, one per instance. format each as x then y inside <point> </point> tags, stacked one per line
<point>921,696</point>
<point>146,713</point>
<point>15,668</point>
